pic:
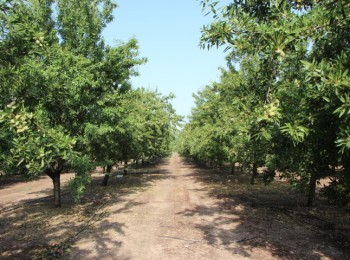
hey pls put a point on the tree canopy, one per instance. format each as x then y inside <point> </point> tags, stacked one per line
<point>283,101</point>
<point>67,100</point>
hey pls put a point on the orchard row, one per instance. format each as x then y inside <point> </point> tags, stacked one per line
<point>283,103</point>
<point>66,98</point>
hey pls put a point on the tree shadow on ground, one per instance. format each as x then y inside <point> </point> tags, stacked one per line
<point>270,218</point>
<point>34,229</point>
<point>11,180</point>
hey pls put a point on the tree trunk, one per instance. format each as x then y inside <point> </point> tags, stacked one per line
<point>54,172</point>
<point>312,189</point>
<point>107,173</point>
<point>255,173</point>
<point>57,189</point>
<point>233,168</point>
<point>125,167</point>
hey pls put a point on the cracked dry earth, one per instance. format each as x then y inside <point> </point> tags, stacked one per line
<point>173,219</point>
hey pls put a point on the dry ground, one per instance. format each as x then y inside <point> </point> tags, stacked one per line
<point>172,210</point>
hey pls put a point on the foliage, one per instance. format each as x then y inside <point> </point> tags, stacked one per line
<point>286,107</point>
<point>82,167</point>
<point>67,101</point>
<point>338,191</point>
<point>131,125</point>
<point>34,146</point>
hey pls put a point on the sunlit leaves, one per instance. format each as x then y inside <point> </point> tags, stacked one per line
<point>80,25</point>
<point>72,93</point>
<point>296,52</point>
<point>296,132</point>
<point>343,141</point>
<point>34,144</point>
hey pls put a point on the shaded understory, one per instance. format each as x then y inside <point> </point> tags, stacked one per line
<point>34,229</point>
<point>243,220</point>
<point>273,217</point>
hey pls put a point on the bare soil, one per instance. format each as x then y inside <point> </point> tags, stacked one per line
<point>170,210</point>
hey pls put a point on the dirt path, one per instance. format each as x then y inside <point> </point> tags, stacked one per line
<point>172,210</point>
<point>173,219</point>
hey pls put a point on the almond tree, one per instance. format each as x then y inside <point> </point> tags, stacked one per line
<point>53,71</point>
<point>298,80</point>
<point>133,125</point>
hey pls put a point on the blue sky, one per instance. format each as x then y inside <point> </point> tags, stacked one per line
<point>168,33</point>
